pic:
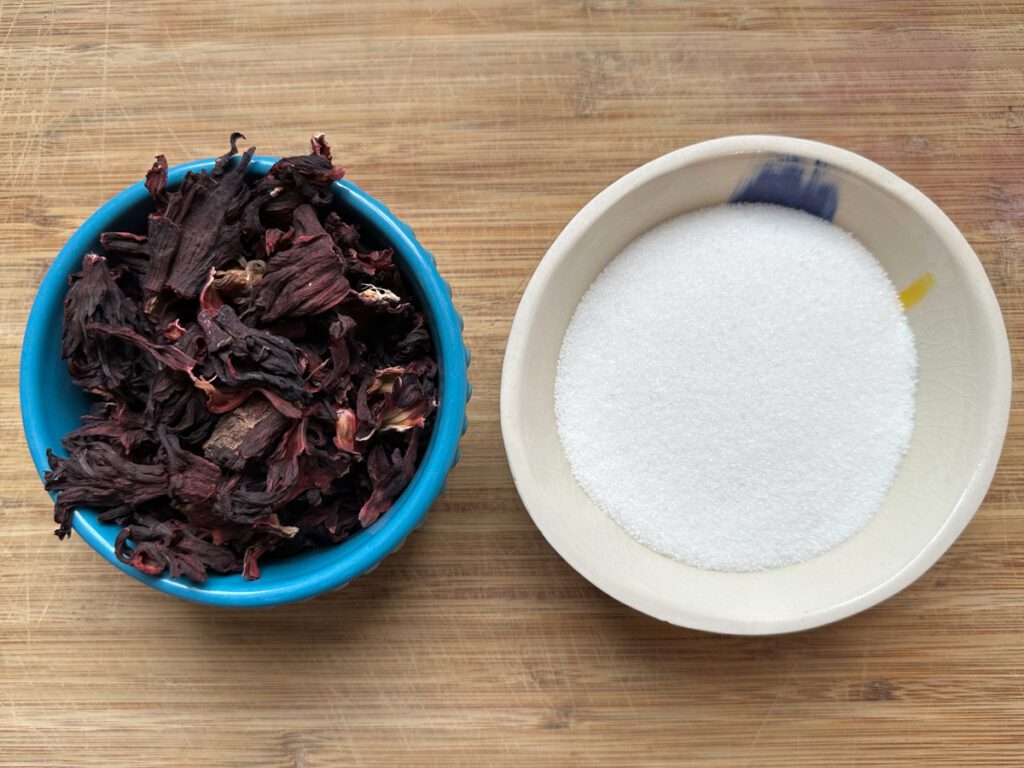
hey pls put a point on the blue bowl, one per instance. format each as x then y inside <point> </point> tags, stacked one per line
<point>51,405</point>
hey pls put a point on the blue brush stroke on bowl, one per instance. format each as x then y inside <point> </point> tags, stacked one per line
<point>794,182</point>
<point>51,405</point>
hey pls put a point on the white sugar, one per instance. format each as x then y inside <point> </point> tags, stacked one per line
<point>736,389</point>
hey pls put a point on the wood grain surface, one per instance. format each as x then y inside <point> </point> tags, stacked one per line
<point>486,126</point>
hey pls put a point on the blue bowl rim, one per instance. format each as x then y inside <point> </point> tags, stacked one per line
<point>406,514</point>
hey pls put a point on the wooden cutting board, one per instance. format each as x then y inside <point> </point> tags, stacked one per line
<point>486,126</point>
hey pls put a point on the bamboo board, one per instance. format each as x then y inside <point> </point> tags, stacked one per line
<point>486,126</point>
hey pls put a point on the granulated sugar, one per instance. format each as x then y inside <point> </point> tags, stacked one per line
<point>736,389</point>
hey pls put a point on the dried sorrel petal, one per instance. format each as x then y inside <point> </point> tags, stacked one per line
<point>306,279</point>
<point>98,475</point>
<point>318,146</point>
<point>156,182</point>
<point>344,234</point>
<point>125,243</point>
<point>284,471</point>
<point>266,380</point>
<point>345,351</point>
<point>170,356</point>
<point>113,423</point>
<point>172,402</point>
<point>416,342</point>
<point>242,357</point>
<point>250,566</point>
<point>153,546</point>
<point>397,398</point>
<point>193,481</point>
<point>161,243</point>
<point>97,364</point>
<point>174,330</point>
<point>309,175</point>
<point>202,226</point>
<point>389,475</point>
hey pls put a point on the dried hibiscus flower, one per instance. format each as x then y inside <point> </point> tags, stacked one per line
<point>265,382</point>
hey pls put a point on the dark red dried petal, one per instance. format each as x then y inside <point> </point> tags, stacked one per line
<point>156,182</point>
<point>194,256</point>
<point>96,364</point>
<point>125,243</point>
<point>306,279</point>
<point>390,476</point>
<point>98,475</point>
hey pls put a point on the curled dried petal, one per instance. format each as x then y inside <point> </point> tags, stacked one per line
<point>156,182</point>
<point>390,475</point>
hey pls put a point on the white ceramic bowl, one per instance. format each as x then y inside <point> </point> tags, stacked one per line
<point>963,395</point>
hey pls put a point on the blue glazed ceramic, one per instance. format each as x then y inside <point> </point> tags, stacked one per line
<point>51,406</point>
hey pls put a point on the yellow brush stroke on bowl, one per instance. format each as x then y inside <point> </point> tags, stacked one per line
<point>917,290</point>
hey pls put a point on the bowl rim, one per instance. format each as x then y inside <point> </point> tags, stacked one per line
<point>411,507</point>
<point>516,447</point>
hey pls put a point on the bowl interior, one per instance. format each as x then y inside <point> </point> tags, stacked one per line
<point>962,398</point>
<point>52,406</point>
